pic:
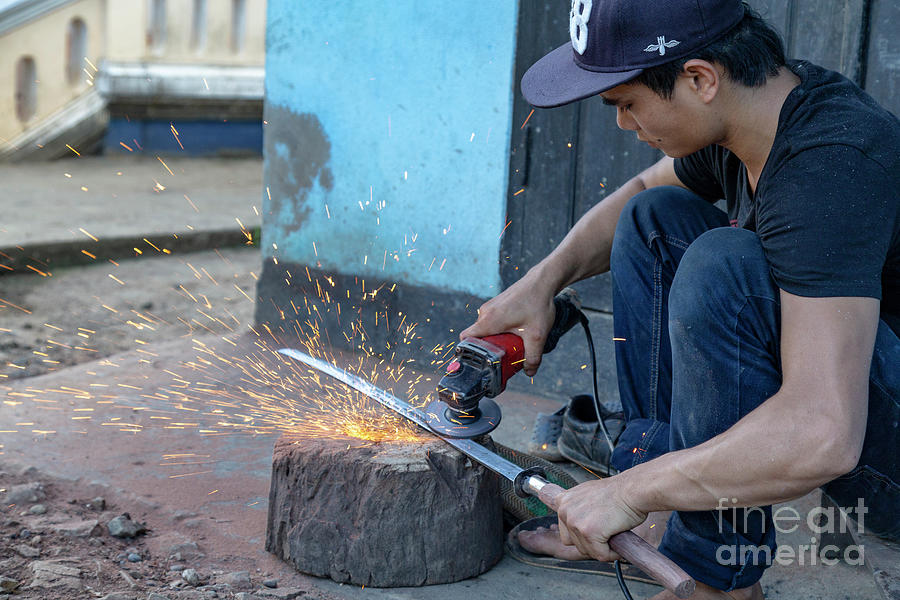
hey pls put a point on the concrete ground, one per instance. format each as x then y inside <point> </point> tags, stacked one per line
<point>126,196</point>
<point>172,422</point>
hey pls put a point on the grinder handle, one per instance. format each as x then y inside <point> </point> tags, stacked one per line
<point>635,550</point>
<point>568,313</point>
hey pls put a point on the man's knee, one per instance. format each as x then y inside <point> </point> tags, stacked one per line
<point>720,265</point>
<point>643,217</point>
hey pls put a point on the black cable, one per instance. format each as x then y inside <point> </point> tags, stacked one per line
<point>590,340</point>
<point>587,332</point>
<point>621,579</point>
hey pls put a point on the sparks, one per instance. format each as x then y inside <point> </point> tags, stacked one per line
<point>88,234</point>
<point>165,165</point>
<point>526,119</point>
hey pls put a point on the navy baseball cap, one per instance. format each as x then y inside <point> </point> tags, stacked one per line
<point>613,41</point>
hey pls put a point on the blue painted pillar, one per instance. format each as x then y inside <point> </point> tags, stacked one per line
<point>387,128</point>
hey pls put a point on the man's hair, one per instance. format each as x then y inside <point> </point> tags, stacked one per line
<point>750,53</point>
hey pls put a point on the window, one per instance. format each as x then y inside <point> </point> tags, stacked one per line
<point>198,26</point>
<point>76,50</point>
<point>156,29</point>
<point>238,16</point>
<point>26,88</point>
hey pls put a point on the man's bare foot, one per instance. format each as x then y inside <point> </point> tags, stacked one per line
<point>705,592</point>
<point>545,541</point>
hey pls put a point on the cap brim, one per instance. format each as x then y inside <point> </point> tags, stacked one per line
<point>556,79</point>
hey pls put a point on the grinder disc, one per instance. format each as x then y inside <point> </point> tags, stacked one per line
<point>446,422</point>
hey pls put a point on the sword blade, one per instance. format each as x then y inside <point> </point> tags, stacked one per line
<point>470,448</point>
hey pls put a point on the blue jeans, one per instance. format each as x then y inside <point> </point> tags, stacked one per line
<point>697,321</point>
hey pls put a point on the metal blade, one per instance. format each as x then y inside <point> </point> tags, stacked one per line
<point>470,448</point>
<point>360,384</point>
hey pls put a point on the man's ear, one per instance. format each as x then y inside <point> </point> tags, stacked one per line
<point>703,79</point>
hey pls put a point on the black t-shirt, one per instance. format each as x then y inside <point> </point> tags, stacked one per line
<point>827,204</point>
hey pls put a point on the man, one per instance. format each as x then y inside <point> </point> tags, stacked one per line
<point>758,361</point>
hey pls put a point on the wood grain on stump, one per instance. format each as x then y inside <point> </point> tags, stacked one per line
<point>383,515</point>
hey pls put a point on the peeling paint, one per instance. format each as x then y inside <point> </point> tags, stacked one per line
<point>297,153</point>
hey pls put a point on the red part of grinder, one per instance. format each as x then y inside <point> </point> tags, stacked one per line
<point>513,354</point>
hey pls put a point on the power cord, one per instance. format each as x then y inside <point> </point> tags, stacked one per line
<point>621,579</point>
<point>590,340</point>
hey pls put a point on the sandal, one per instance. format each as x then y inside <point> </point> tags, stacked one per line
<point>594,567</point>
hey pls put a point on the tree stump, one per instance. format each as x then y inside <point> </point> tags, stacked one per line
<point>392,514</point>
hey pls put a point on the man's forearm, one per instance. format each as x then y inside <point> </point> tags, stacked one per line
<point>807,434</point>
<point>586,248</point>
<point>775,453</point>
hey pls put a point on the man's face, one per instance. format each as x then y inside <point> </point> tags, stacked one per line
<point>678,126</point>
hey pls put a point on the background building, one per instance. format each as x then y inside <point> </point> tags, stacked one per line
<point>145,75</point>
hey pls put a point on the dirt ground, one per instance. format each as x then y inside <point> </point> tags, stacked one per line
<point>54,539</point>
<point>81,314</point>
<point>56,542</point>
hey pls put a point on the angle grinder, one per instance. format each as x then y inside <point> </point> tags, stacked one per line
<point>479,370</point>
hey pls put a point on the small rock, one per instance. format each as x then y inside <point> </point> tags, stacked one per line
<point>56,574</point>
<point>8,584</point>
<point>191,576</point>
<point>98,504</point>
<point>185,551</point>
<point>25,493</point>
<point>178,567</point>
<point>245,596</point>
<point>180,515</point>
<point>239,580</point>
<point>36,539</point>
<point>38,509</point>
<point>281,593</point>
<point>119,596</point>
<point>271,583</point>
<point>132,557</point>
<point>27,551</point>
<point>79,528</point>
<point>123,527</point>
<point>156,596</point>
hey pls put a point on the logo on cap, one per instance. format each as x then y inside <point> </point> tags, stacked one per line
<point>661,45</point>
<point>578,20</point>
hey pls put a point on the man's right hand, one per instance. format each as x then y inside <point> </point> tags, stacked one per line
<point>525,309</point>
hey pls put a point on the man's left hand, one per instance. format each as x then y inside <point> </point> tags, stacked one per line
<point>594,511</point>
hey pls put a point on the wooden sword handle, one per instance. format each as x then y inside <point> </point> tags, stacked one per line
<point>635,550</point>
